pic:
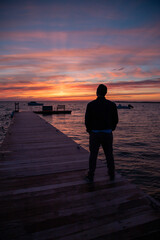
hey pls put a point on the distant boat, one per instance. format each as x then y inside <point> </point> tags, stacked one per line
<point>32,103</point>
<point>124,107</point>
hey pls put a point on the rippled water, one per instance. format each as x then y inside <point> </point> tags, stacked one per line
<point>136,139</point>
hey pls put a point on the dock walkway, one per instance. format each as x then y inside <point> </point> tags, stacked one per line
<point>43,195</point>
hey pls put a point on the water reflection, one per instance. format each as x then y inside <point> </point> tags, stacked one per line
<point>136,141</point>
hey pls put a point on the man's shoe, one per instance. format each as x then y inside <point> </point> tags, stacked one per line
<point>111,174</point>
<point>112,177</point>
<point>88,178</point>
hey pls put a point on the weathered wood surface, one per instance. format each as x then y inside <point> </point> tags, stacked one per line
<point>43,194</point>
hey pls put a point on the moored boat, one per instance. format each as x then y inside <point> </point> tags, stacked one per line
<point>33,103</point>
<point>124,107</point>
<point>48,110</point>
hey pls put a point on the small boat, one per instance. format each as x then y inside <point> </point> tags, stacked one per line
<point>124,107</point>
<point>32,103</point>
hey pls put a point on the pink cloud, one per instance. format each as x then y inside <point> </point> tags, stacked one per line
<point>148,83</point>
<point>136,72</point>
<point>141,33</point>
<point>80,59</point>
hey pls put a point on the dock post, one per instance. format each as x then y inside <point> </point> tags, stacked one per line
<point>16,106</point>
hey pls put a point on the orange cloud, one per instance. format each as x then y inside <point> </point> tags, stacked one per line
<point>75,73</point>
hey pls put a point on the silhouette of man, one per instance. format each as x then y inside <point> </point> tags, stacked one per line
<point>101,118</point>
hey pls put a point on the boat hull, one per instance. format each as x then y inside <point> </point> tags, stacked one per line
<point>52,112</point>
<point>35,104</point>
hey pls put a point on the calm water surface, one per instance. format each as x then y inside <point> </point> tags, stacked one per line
<point>136,139</point>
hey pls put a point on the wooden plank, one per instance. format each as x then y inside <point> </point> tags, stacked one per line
<point>44,196</point>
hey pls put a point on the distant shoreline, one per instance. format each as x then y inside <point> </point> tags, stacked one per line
<point>78,101</point>
<point>136,102</point>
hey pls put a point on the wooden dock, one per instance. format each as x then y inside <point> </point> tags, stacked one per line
<point>43,194</point>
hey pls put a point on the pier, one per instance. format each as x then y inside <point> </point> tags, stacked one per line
<point>43,195</point>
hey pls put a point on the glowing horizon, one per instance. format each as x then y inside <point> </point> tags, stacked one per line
<point>63,50</point>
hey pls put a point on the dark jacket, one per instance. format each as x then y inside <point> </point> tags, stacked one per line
<point>101,114</point>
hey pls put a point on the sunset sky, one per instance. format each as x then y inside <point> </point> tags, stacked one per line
<point>63,49</point>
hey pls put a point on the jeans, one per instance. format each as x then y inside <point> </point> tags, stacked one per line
<point>106,140</point>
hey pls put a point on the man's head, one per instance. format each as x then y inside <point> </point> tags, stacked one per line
<point>101,90</point>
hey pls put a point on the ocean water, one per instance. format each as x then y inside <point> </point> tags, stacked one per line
<point>136,138</point>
